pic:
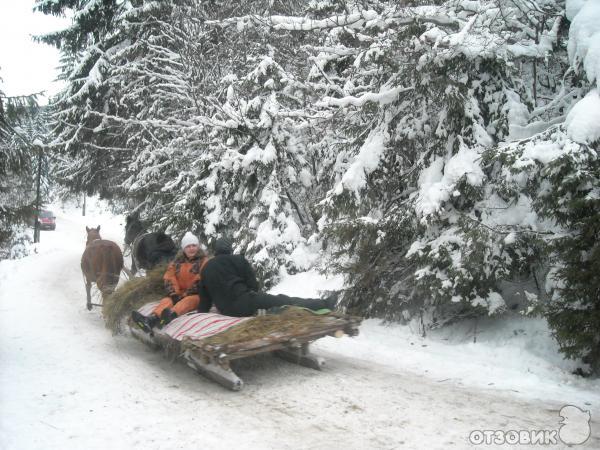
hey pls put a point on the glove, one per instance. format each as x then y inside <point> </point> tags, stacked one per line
<point>175,298</point>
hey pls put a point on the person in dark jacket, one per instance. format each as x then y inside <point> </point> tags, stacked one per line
<point>228,282</point>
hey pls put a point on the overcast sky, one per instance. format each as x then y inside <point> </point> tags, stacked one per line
<point>25,66</point>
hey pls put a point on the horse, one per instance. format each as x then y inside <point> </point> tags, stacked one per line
<point>101,263</point>
<point>147,249</point>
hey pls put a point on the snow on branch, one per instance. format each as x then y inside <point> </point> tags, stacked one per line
<point>144,9</point>
<point>365,162</point>
<point>583,121</point>
<point>383,98</point>
<point>539,50</point>
<point>358,20</point>
<point>476,40</point>
<point>93,80</point>
<point>304,24</point>
<point>172,124</point>
<point>99,60</point>
<point>363,19</point>
<point>437,183</point>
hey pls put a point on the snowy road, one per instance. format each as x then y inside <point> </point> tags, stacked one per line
<point>67,383</point>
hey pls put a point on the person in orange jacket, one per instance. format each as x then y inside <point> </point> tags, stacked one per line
<point>181,280</point>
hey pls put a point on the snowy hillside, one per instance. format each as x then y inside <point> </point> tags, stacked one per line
<point>66,383</point>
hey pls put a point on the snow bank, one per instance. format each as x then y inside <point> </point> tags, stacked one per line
<point>307,284</point>
<point>516,354</point>
<point>513,353</point>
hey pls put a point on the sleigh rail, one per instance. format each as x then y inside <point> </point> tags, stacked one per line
<point>211,355</point>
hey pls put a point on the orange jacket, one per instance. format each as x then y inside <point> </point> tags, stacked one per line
<point>183,275</point>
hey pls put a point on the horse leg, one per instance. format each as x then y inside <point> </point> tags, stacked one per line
<point>88,291</point>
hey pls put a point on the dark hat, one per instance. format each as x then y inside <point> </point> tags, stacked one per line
<point>223,246</point>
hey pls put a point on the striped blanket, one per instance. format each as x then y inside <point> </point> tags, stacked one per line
<point>195,325</point>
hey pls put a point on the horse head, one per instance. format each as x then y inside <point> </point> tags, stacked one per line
<point>93,234</point>
<point>133,228</point>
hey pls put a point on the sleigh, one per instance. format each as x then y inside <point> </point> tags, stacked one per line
<point>208,342</point>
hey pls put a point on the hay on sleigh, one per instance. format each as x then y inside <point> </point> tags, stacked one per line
<point>132,295</point>
<point>261,332</point>
<point>291,321</point>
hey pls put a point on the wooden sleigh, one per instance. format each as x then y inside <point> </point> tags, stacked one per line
<point>209,342</point>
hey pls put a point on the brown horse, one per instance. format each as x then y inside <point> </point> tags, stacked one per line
<point>101,263</point>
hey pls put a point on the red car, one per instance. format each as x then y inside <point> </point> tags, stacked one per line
<point>47,220</point>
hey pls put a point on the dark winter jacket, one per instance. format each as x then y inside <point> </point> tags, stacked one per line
<point>226,279</point>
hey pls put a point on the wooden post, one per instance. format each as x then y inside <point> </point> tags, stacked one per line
<point>84,198</point>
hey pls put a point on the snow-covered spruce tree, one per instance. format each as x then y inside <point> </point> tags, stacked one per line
<point>571,197</point>
<point>92,155</point>
<point>22,131</point>
<point>543,197</point>
<point>258,160</point>
<point>426,91</point>
<point>574,202</point>
<point>233,157</point>
<point>540,197</point>
<point>186,101</point>
<point>279,142</point>
<point>538,212</point>
<point>266,137</point>
<point>151,101</point>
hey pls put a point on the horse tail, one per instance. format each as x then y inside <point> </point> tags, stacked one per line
<point>86,266</point>
<point>116,265</point>
<point>110,270</point>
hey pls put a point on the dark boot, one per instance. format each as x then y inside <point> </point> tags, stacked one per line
<point>167,316</point>
<point>146,323</point>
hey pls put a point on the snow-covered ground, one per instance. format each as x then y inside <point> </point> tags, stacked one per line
<point>67,383</point>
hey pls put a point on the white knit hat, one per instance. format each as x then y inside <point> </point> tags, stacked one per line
<point>189,239</point>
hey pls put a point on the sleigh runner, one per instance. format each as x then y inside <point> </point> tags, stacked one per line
<point>210,341</point>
